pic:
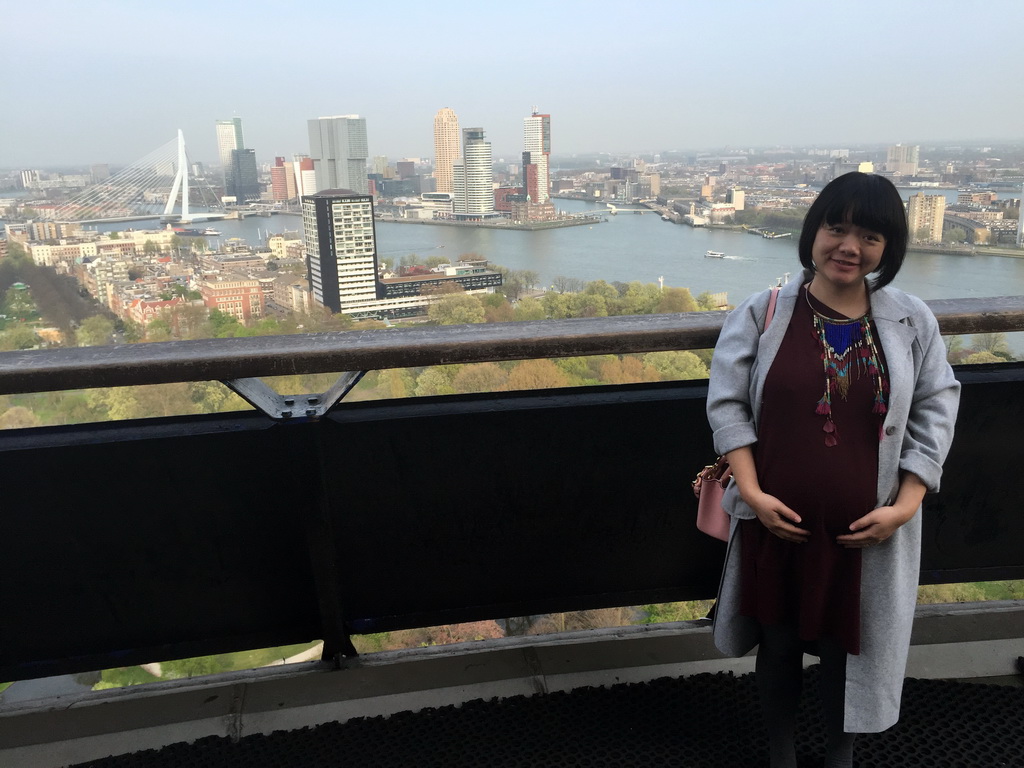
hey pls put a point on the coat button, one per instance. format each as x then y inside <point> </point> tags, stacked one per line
<point>890,431</point>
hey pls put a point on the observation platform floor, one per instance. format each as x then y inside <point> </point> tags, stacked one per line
<point>709,720</point>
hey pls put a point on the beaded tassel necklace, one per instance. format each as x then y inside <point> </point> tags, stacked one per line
<point>847,348</point>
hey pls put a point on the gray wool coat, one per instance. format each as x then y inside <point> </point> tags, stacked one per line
<point>917,432</point>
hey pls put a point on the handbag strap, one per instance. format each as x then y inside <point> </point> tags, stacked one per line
<point>772,301</point>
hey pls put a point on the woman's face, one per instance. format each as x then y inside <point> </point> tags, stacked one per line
<point>844,254</point>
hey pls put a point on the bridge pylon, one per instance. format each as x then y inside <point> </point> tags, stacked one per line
<point>180,182</point>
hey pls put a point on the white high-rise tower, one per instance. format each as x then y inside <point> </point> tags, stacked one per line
<point>446,148</point>
<point>536,150</point>
<point>229,137</point>
<point>473,177</point>
<point>1020,220</point>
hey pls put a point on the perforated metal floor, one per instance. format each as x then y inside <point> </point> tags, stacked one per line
<point>703,721</point>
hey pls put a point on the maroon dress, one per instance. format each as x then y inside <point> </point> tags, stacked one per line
<point>815,585</point>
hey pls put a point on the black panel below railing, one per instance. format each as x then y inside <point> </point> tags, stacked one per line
<point>141,541</point>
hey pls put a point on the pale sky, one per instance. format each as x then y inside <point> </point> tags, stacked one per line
<point>112,80</point>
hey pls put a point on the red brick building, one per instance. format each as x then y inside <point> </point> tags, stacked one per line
<point>234,295</point>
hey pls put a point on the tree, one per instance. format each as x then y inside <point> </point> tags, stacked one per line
<point>16,250</point>
<point>503,312</point>
<point>214,397</point>
<point>977,358</point>
<point>480,377</point>
<point>676,300</point>
<point>587,305</point>
<point>922,234</point>
<point>582,371</point>
<point>563,284</point>
<point>95,331</point>
<point>676,365</point>
<point>222,324</point>
<point>437,380</point>
<point>556,305</point>
<point>994,343</point>
<point>514,283</point>
<point>150,248</point>
<point>18,417</point>
<point>529,309</point>
<point>395,383</point>
<point>627,370</point>
<point>659,613</point>
<point>457,309</point>
<point>954,348</point>
<point>601,288</point>
<point>640,299</point>
<point>18,337</point>
<point>706,301</point>
<point>536,374</point>
<point>954,235</point>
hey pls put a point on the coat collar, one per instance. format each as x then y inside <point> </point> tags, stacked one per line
<point>887,303</point>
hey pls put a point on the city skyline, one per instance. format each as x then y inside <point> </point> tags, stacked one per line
<point>790,73</point>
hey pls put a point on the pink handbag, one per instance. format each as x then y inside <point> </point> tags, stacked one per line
<point>709,485</point>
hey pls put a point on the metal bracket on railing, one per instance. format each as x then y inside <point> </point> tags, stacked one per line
<point>260,396</point>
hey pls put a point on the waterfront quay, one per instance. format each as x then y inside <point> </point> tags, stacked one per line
<point>502,224</point>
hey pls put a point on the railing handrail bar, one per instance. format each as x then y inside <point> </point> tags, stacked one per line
<point>225,359</point>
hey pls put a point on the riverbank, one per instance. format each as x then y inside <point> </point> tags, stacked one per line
<point>967,250</point>
<point>528,226</point>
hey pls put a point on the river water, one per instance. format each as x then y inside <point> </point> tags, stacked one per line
<point>631,247</point>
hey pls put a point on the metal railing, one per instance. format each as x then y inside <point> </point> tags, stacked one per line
<point>226,359</point>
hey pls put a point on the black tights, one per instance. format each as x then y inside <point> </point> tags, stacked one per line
<point>779,674</point>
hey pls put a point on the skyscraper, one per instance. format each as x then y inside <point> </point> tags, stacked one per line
<point>473,177</point>
<point>925,216</point>
<point>243,180</point>
<point>341,249</point>
<point>339,151</point>
<point>537,149</point>
<point>305,176</point>
<point>446,147</point>
<point>902,159</point>
<point>229,137</point>
<point>282,180</point>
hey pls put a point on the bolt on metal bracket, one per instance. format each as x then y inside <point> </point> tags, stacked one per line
<point>263,398</point>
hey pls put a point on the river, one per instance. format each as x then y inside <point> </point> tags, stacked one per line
<point>631,247</point>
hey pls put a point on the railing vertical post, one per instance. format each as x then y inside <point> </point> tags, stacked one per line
<point>306,442</point>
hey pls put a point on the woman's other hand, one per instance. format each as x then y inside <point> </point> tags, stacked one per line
<point>881,523</point>
<point>777,517</point>
<point>874,528</point>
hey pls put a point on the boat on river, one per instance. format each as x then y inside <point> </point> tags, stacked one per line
<point>714,255</point>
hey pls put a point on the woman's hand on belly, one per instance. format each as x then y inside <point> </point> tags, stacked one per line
<point>874,528</point>
<point>777,517</point>
<point>881,523</point>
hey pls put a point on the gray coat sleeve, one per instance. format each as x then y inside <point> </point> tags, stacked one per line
<point>934,406</point>
<point>730,412</point>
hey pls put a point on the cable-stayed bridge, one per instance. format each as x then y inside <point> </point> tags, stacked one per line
<point>157,186</point>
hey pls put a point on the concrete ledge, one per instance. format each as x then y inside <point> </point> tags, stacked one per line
<point>969,641</point>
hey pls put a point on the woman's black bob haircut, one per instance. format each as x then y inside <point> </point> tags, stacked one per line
<point>868,201</point>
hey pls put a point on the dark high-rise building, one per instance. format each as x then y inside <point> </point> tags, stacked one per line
<point>243,182</point>
<point>341,249</point>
